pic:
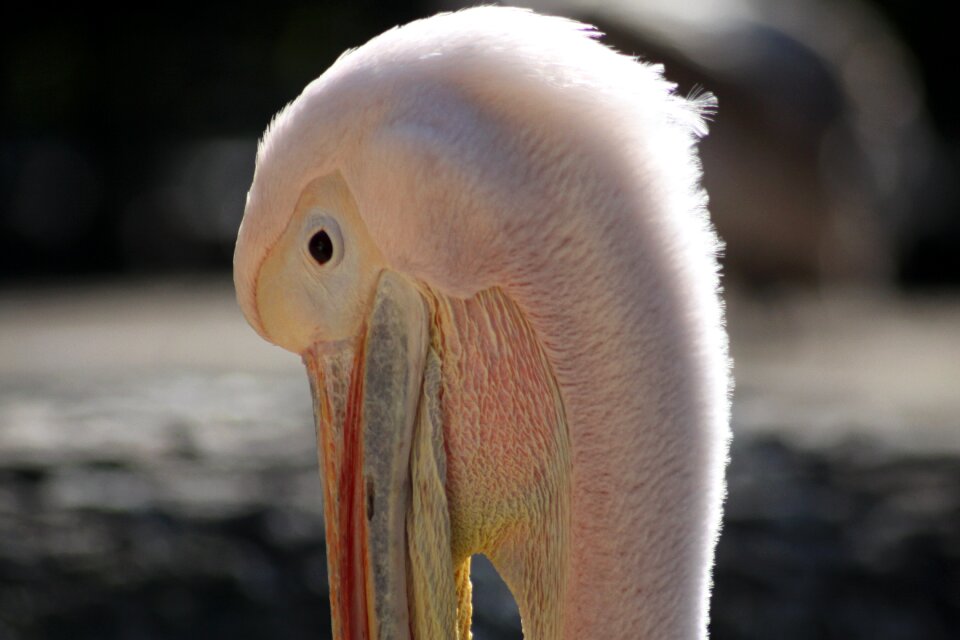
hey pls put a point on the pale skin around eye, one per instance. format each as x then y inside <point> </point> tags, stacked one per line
<point>302,302</point>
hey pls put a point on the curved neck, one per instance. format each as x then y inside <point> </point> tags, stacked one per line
<point>608,532</point>
<point>640,385</point>
<point>598,237</point>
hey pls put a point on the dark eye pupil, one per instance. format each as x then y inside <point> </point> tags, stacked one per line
<point>321,247</point>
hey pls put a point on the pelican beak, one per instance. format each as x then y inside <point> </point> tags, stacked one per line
<point>366,398</point>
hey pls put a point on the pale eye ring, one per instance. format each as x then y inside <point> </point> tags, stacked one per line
<point>323,242</point>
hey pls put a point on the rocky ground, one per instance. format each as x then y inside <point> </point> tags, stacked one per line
<point>158,474</point>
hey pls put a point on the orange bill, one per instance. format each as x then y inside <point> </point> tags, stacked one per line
<point>366,395</point>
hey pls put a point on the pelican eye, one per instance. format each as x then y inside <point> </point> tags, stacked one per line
<point>322,240</point>
<point>321,247</point>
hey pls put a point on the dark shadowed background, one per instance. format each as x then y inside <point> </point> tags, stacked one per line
<point>157,464</point>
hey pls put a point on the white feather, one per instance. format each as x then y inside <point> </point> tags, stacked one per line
<point>498,147</point>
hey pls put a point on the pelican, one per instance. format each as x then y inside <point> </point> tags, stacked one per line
<point>484,234</point>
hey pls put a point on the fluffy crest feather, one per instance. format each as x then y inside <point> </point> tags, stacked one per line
<point>548,71</point>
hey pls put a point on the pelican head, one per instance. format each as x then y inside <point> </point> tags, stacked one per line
<point>484,234</point>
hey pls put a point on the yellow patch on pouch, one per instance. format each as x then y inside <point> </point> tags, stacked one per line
<point>508,473</point>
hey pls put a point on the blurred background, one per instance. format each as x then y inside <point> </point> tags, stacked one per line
<point>157,463</point>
